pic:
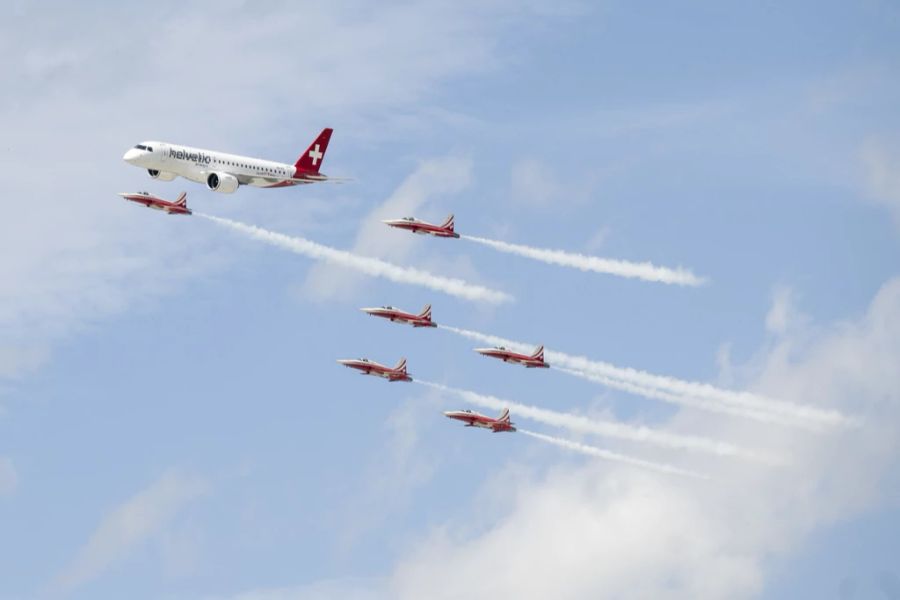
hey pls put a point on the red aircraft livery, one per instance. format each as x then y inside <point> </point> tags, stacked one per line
<point>370,367</point>
<point>423,319</point>
<point>445,230</point>
<point>179,207</point>
<point>533,361</point>
<point>473,419</point>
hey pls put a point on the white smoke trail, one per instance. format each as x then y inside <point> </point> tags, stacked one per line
<point>614,456</point>
<point>370,266</point>
<point>690,401</point>
<point>612,429</point>
<point>784,412</point>
<point>622,268</point>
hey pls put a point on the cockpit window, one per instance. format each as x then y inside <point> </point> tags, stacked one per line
<point>149,149</point>
<point>141,147</point>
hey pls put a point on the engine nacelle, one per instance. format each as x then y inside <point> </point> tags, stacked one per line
<point>161,175</point>
<point>224,183</point>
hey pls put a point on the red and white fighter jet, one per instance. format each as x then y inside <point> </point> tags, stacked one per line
<point>444,230</point>
<point>370,367</point>
<point>179,207</point>
<point>423,319</point>
<point>532,361</point>
<point>473,419</point>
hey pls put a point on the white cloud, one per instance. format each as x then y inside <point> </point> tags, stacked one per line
<point>393,473</point>
<point>434,178</point>
<point>596,241</point>
<point>781,314</point>
<point>143,517</point>
<point>596,530</point>
<point>540,184</point>
<point>9,478</point>
<point>346,589</point>
<point>882,175</point>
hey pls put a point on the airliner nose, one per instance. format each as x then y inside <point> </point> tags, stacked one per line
<point>131,155</point>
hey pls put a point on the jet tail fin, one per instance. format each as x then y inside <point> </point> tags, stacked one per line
<point>181,200</point>
<point>311,160</point>
<point>426,312</point>
<point>401,366</point>
<point>448,223</point>
<point>538,353</point>
<point>504,416</point>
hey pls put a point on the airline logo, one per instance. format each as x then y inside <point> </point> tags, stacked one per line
<point>315,155</point>
<point>193,157</point>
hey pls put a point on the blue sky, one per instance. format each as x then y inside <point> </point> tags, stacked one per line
<point>172,421</point>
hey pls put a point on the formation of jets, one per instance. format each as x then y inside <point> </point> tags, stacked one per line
<point>225,173</point>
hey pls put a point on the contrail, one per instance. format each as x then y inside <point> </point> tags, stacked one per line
<point>612,429</point>
<point>786,411</point>
<point>614,456</point>
<point>622,268</point>
<point>374,267</point>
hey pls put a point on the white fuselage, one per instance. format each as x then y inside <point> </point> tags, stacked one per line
<point>197,164</point>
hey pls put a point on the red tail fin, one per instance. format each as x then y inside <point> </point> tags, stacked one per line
<point>311,160</point>
<point>448,224</point>
<point>504,416</point>
<point>538,353</point>
<point>401,366</point>
<point>181,200</point>
<point>426,312</point>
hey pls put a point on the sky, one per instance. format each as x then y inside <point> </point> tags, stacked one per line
<point>173,423</point>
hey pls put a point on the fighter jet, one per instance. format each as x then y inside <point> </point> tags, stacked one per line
<point>179,207</point>
<point>533,361</point>
<point>423,319</point>
<point>473,419</point>
<point>370,367</point>
<point>444,230</point>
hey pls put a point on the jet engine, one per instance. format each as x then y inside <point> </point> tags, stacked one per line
<point>224,183</point>
<point>161,175</point>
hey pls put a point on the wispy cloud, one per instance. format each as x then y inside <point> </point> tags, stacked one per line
<point>132,523</point>
<point>9,477</point>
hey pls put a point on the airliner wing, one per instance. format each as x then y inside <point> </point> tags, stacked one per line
<point>320,178</point>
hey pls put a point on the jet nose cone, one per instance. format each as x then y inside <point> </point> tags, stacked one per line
<point>131,155</point>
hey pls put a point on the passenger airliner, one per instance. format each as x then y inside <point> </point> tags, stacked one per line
<point>225,172</point>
